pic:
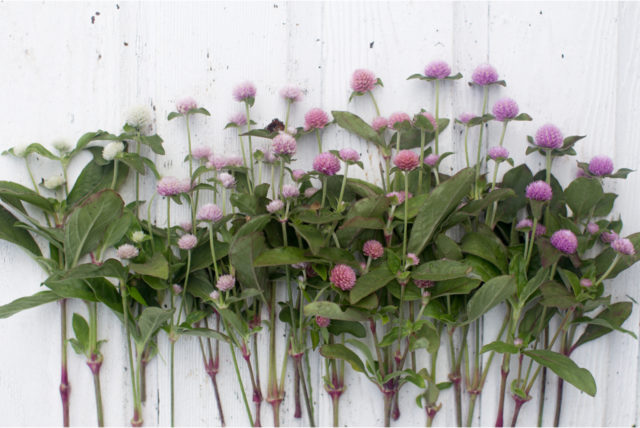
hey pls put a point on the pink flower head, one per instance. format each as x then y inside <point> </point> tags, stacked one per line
<point>310,191</point>
<point>423,283</point>
<point>379,123</point>
<point>437,70</point>
<point>269,157</point>
<point>326,163</point>
<point>609,237</point>
<point>623,246</point>
<point>315,118</point>
<point>541,229</point>
<point>401,196</point>
<point>431,159</point>
<point>290,191</point>
<point>216,162</point>
<point>431,119</point>
<point>284,144</point>
<point>215,295</point>
<point>187,242</point>
<point>406,160</point>
<point>322,321</point>
<point>586,282</point>
<point>298,174</point>
<point>343,277</point>
<point>244,91</point>
<point>412,259</point>
<point>209,212</point>
<point>177,289</point>
<point>539,191</point>
<point>234,160</point>
<point>593,228</point>
<point>363,80</point>
<point>349,155</point>
<point>168,186</point>
<point>225,282</point>
<point>291,93</point>
<point>186,225</point>
<point>525,223</point>
<point>518,341</point>
<point>581,173</point>
<point>466,117</point>
<point>398,118</point>
<point>565,241</point>
<point>484,75</point>
<point>201,152</point>
<point>127,251</point>
<point>275,206</point>
<point>505,109</point>
<point>185,185</point>
<point>549,137</point>
<point>239,119</point>
<point>498,153</point>
<point>373,249</point>
<point>185,105</point>
<point>601,165</point>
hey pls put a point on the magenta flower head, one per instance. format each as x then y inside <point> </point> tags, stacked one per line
<point>431,160</point>
<point>225,282</point>
<point>185,105</point>
<point>244,91</point>
<point>431,119</point>
<point>373,249</point>
<point>437,70</point>
<point>187,242</point>
<point>601,165</point>
<point>127,251</point>
<point>541,229</point>
<point>593,228</point>
<point>275,206</point>
<point>401,196</point>
<point>326,163</point>
<point>379,123</point>
<point>227,180</point>
<point>343,277</point>
<point>238,119</point>
<point>609,237</point>
<point>498,153</point>
<point>290,191</point>
<point>322,321</point>
<point>209,212</point>
<point>484,75</point>
<point>298,174</point>
<point>284,145</point>
<point>201,152</point>
<point>565,241</point>
<point>586,282</point>
<point>398,118</point>
<point>310,191</point>
<point>423,283</point>
<point>539,191</point>
<point>315,118</point>
<point>406,160</point>
<point>526,223</point>
<point>291,93</point>
<point>412,259</point>
<point>363,80</point>
<point>168,186</point>
<point>549,137</point>
<point>505,109</point>
<point>623,246</point>
<point>466,117</point>
<point>349,155</point>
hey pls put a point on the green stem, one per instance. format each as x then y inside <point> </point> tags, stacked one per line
<point>344,183</point>
<point>235,366</point>
<point>531,241</point>
<point>466,145</point>
<point>137,175</point>
<point>479,155</point>
<point>64,380</point>
<point>246,105</point>
<point>375,104</point>
<point>96,388</point>
<point>422,142</point>
<point>437,131</point>
<point>213,252</point>
<point>406,215</point>
<point>608,271</point>
<point>286,120</point>
<point>398,138</point>
<point>548,162</point>
<point>184,291</point>
<point>324,190</point>
<point>168,224</point>
<point>186,118</point>
<point>115,175</point>
<point>281,176</point>
<point>125,317</point>
<point>319,139</point>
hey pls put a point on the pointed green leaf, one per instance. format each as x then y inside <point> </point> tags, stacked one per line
<point>28,302</point>
<point>493,292</point>
<point>565,368</point>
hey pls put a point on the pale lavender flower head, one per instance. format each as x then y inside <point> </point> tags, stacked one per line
<point>177,289</point>
<point>275,206</point>
<point>601,165</point>
<point>209,212</point>
<point>431,119</point>
<point>215,295</point>
<point>518,341</point>
<point>498,153</point>
<point>239,119</point>
<point>406,160</point>
<point>316,118</point>
<point>310,191</point>
<point>185,105</point>
<point>322,322</point>
<point>244,91</point>
<point>431,159</point>
<point>549,137</point>
<point>593,228</point>
<point>234,160</point>
<point>484,75</point>
<point>187,242</point>
<point>609,237</point>
<point>127,251</point>
<point>623,246</point>
<point>298,174</point>
<point>539,191</point>
<point>216,162</point>
<point>225,282</point>
<point>269,157</point>
<point>201,152</point>
<point>379,123</point>
<point>168,186</point>
<point>363,80</point>
<point>284,144</point>
<point>437,70</point>
<point>505,109</point>
<point>586,282</point>
<point>343,277</point>
<point>326,163</point>
<point>185,185</point>
<point>349,155</point>
<point>291,93</point>
<point>466,117</point>
<point>412,259</point>
<point>565,241</point>
<point>290,191</point>
<point>398,118</point>
<point>186,225</point>
<point>227,180</point>
<point>373,249</point>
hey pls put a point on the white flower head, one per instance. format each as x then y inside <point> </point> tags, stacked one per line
<point>112,150</point>
<point>140,118</point>
<point>137,236</point>
<point>20,150</point>
<point>62,145</point>
<point>54,182</point>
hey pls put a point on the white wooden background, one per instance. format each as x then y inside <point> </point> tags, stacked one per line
<point>68,68</point>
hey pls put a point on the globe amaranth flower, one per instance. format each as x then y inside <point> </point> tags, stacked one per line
<point>284,144</point>
<point>466,117</point>
<point>593,228</point>
<point>423,283</point>
<point>484,75</point>
<point>187,242</point>
<point>225,282</point>
<point>310,191</point>
<point>290,191</point>
<point>349,155</point>
<point>209,212</point>
<point>539,191</point>
<point>185,105</point>
<point>168,186</point>
<point>139,117</point>
<point>138,236</point>
<point>623,246</point>
<point>244,91</point>
<point>322,321</point>
<point>275,206</point>
<point>406,160</point>
<point>315,118</point>
<point>412,259</point>
<point>216,162</point>
<point>601,165</point>
<point>363,80</point>
<point>498,153</point>
<point>53,182</point>
<point>548,137</point>
<point>298,174</point>
<point>326,163</point>
<point>186,225</point>
<point>586,282</point>
<point>431,119</point>
<point>291,93</point>
<point>20,150</point>
<point>398,118</point>
<point>177,289</point>
<point>234,160</point>
<point>437,70</point>
<point>214,295</point>
<point>609,237</point>
<point>401,196</point>
<point>373,249</point>
<point>431,159</point>
<point>343,277</point>
<point>185,185</point>
<point>269,157</point>
<point>127,251</point>
<point>227,180</point>
<point>505,109</point>
<point>238,119</point>
<point>112,150</point>
<point>379,123</point>
<point>565,241</point>
<point>62,145</point>
<point>201,152</point>
<point>526,223</point>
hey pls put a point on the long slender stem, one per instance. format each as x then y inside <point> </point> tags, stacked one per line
<point>548,162</point>
<point>466,145</point>
<point>213,252</point>
<point>246,105</point>
<point>115,174</point>
<point>305,395</point>
<point>344,183</point>
<point>406,215</point>
<point>319,139</point>
<point>184,291</point>
<point>324,190</point>
<point>422,142</point>
<point>244,394</point>
<point>479,155</point>
<point>64,378</point>
<point>96,388</point>
<point>137,174</point>
<point>375,104</point>
<point>125,318</point>
<point>286,120</point>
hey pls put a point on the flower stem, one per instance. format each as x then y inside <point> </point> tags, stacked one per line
<point>422,141</point>
<point>466,145</point>
<point>406,215</point>
<point>608,271</point>
<point>286,120</point>
<point>168,224</point>
<point>186,118</point>
<point>324,190</point>
<point>213,252</point>
<point>479,156</point>
<point>65,389</point>
<point>548,161</point>
<point>115,174</point>
<point>125,318</point>
<point>344,183</point>
<point>246,105</point>
<point>96,387</point>
<point>319,138</point>
<point>244,394</point>
<point>375,104</point>
<point>184,291</point>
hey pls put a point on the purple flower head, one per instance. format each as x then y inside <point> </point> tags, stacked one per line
<point>275,206</point>
<point>593,228</point>
<point>363,80</point>
<point>379,123</point>
<point>343,277</point>
<point>431,119</point>
<point>185,105</point>
<point>406,160</point>
<point>586,282</point>
<point>525,223</point>
<point>269,157</point>
<point>581,173</point>
<point>239,119</point>
<point>601,165</point>
<point>216,162</point>
<point>310,191</point>
<point>186,225</point>
<point>539,191</point>
<point>201,152</point>
<point>187,242</point>
<point>315,118</point>
<point>209,212</point>
<point>215,295</point>
<point>349,155</point>
<point>298,174</point>
<point>623,246</point>
<point>322,322</point>
<point>431,160</point>
<point>423,283</point>
<point>401,196</point>
<point>244,91</point>
<point>505,109</point>
<point>127,251</point>
<point>225,282</point>
<point>549,137</point>
<point>177,289</point>
<point>326,163</point>
<point>609,237</point>
<point>234,160</point>
<point>168,186</point>
<point>484,74</point>
<point>412,259</point>
<point>498,153</point>
<point>284,144</point>
<point>541,229</point>
<point>398,118</point>
<point>227,180</point>
<point>290,191</point>
<point>466,117</point>
<point>437,70</point>
<point>565,241</point>
<point>185,185</point>
<point>373,249</point>
<point>291,93</point>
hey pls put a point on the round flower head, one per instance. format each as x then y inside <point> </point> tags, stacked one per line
<point>168,186</point>
<point>184,185</point>
<point>201,152</point>
<point>466,117</point>
<point>586,282</point>
<point>310,191</point>
<point>227,180</point>
<point>349,155</point>
<point>431,159</point>
<point>423,283</point>
<point>593,228</point>
<point>187,242</point>
<point>315,118</point>
<point>484,74</point>
<point>541,229</point>
<point>565,241</point>
<point>363,80</point>
<point>234,160</point>
<point>139,117</point>
<point>269,157</point>
<point>398,118</point>
<point>62,146</point>
<point>138,236</point>
<point>244,91</point>
<point>216,162</point>
<point>127,251</point>
<point>437,70</point>
<point>406,160</point>
<point>539,191</point>
<point>238,119</point>
<point>215,295</point>
<point>412,259</point>
<point>209,212</point>
<point>291,93</point>
<point>525,223</point>
<point>518,341</point>
<point>549,137</point>
<point>400,195</point>
<point>322,321</point>
<point>20,150</point>
<point>186,225</point>
<point>290,191</point>
<point>326,163</point>
<point>431,119</point>
<point>623,246</point>
<point>177,289</point>
<point>298,174</point>
<point>284,144</point>
<point>601,165</point>
<point>498,153</point>
<point>343,277</point>
<point>373,249</point>
<point>112,150</point>
<point>505,109</point>
<point>225,282</point>
<point>185,105</point>
<point>275,206</point>
<point>609,237</point>
<point>379,123</point>
<point>53,182</point>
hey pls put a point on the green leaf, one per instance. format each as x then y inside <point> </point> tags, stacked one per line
<point>556,295</point>
<point>133,161</point>
<point>10,233</point>
<point>28,302</point>
<point>243,253</point>
<point>333,311</point>
<point>516,179</point>
<point>582,195</point>
<point>337,327</point>
<point>440,270</point>
<point>615,315</point>
<point>565,368</point>
<point>93,178</point>
<point>532,285</point>
<point>357,126</point>
<point>203,332</point>
<point>81,330</point>
<point>157,267</point>
<point>493,292</point>
<point>341,352</point>
<point>117,230</point>
<point>154,142</point>
<point>454,286</point>
<point>486,246</point>
<point>605,258</point>
<point>500,347</point>
<point>446,247</point>
<point>41,150</point>
<point>13,193</point>
<point>283,256</point>
<point>312,235</point>
<point>370,283</point>
<point>149,323</point>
